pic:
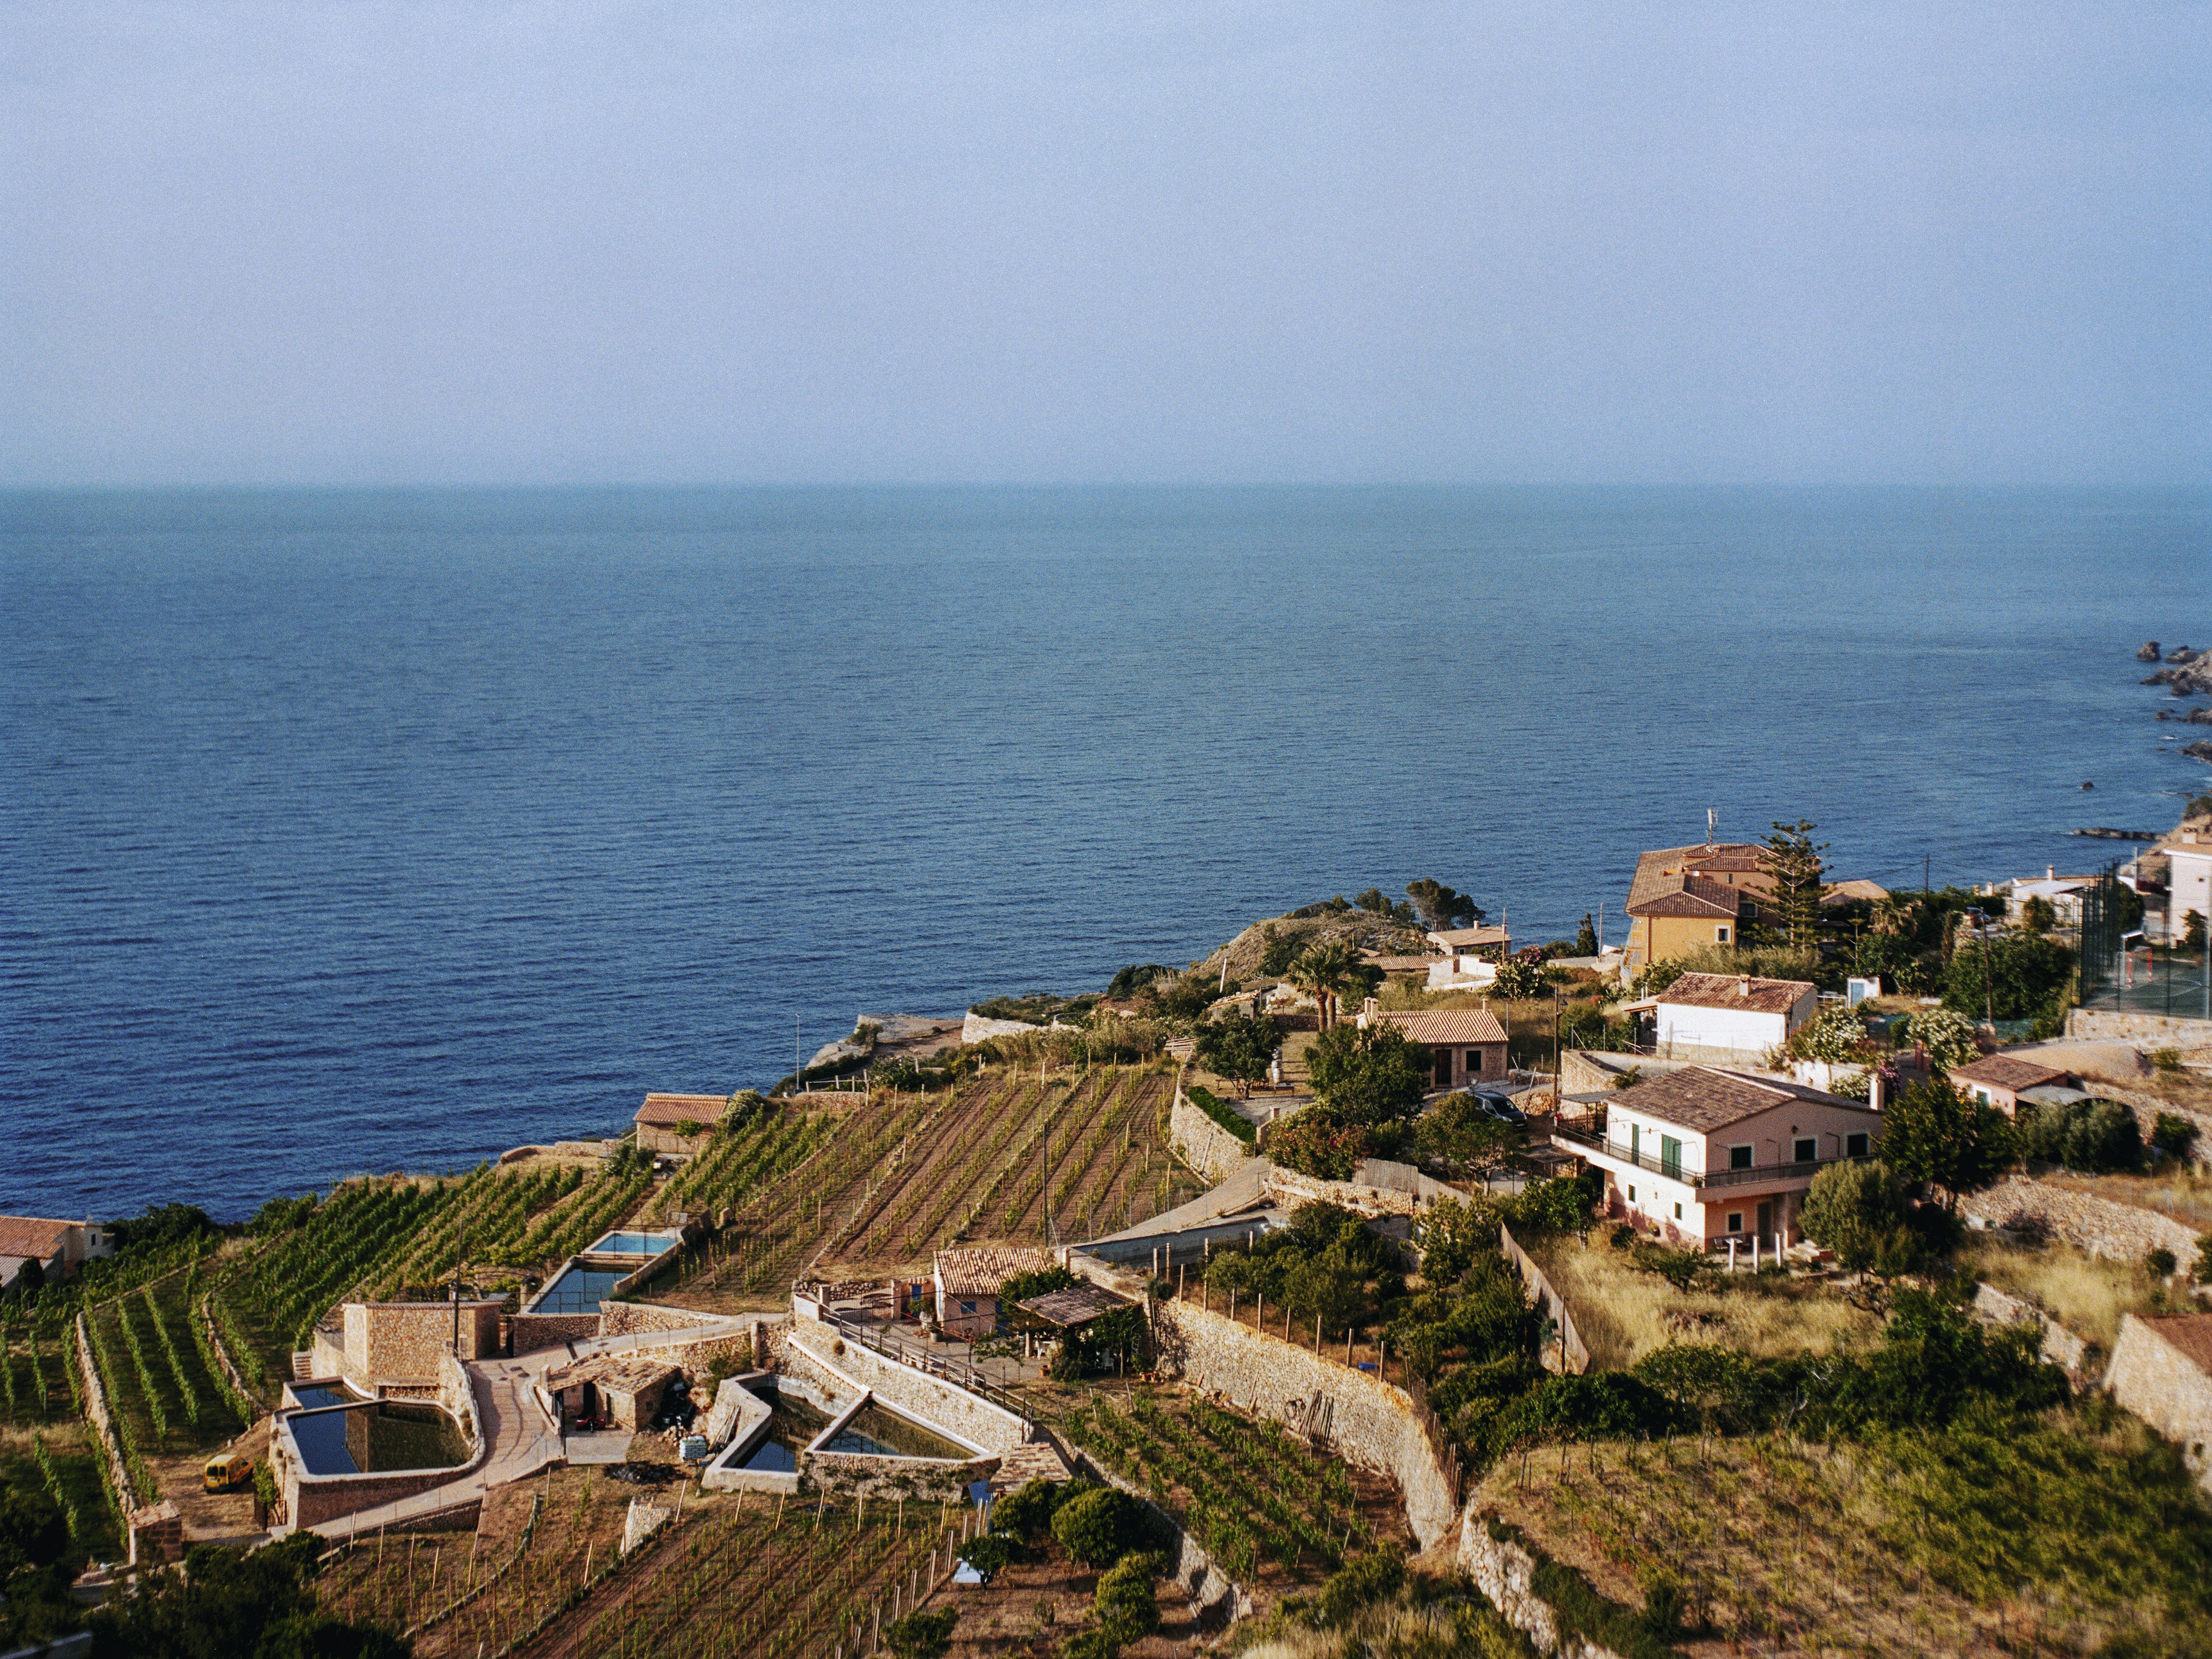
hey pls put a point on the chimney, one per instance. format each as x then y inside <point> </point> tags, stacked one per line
<point>1743,986</point>
<point>2050,872</point>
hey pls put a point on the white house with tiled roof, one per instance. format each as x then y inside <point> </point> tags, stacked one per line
<point>2189,874</point>
<point>1730,1017</point>
<point>1467,957</point>
<point>1705,1154</point>
<point>1467,1046</point>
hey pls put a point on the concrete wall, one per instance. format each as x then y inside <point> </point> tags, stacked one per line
<point>1684,1030</point>
<point>2158,1383</point>
<point>805,1344</point>
<point>2095,1226</point>
<point>2144,1030</point>
<point>1567,1352</point>
<point>1370,1423</point>
<point>1586,1071</point>
<point>1204,1144</point>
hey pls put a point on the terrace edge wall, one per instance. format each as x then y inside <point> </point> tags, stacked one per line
<point>947,1405</point>
<point>1209,1150</point>
<point>2161,1385</point>
<point>1371,1423</point>
<point>2096,1226</point>
<point>1505,1572</point>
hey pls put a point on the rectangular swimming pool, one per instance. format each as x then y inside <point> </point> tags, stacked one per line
<point>580,1291</point>
<point>627,1243</point>
<point>378,1437</point>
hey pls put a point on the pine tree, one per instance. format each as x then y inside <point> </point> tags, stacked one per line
<point>1794,862</point>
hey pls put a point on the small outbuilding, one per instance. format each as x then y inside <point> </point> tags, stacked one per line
<point>2003,1080</point>
<point>678,1123</point>
<point>968,1283</point>
<point>1075,1307</point>
<point>625,1390</point>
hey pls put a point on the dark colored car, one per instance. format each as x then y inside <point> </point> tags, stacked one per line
<point>1501,1109</point>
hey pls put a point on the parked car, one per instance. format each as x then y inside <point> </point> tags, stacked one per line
<point>228,1471</point>
<point>1501,1109</point>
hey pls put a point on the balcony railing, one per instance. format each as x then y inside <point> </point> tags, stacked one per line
<point>1689,1177</point>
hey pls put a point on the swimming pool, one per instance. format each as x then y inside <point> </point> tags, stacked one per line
<point>629,1243</point>
<point>311,1395</point>
<point>580,1291</point>
<point>378,1437</point>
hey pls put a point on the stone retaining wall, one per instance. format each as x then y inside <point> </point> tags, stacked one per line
<point>1369,1422</point>
<point>2070,1352</point>
<point>632,1318</point>
<point>1201,1143</point>
<point>1289,1189</point>
<point>930,1480</point>
<point>1506,1573</point>
<point>527,1332</point>
<point>2153,1377</point>
<point>96,1408</point>
<point>2095,1226</point>
<point>1195,1572</point>
<point>2148,1108</point>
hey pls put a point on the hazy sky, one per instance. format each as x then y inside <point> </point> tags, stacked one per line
<point>708,242</point>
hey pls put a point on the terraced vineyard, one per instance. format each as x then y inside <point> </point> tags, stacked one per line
<point>1260,1501</point>
<point>733,1583</point>
<point>168,1399</point>
<point>732,1170</point>
<point>379,1238</point>
<point>35,1386</point>
<point>458,1592</point>
<point>892,1178</point>
<point>58,1462</point>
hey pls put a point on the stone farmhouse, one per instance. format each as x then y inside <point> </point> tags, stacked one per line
<point>968,1283</point>
<point>2005,1080</point>
<point>1467,1045</point>
<point>1704,1156</point>
<point>674,1123</point>
<point>1466,957</point>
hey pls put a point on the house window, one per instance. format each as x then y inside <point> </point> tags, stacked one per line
<point>1735,1221</point>
<point>1631,1195</point>
<point>1856,1146</point>
<point>1678,1211</point>
<point>1670,1156</point>
<point>1739,1157</point>
<point>1720,935</point>
<point>1805,1149</point>
<point>967,1307</point>
<point>1475,1062</point>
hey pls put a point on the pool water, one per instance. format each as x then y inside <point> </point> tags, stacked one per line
<point>875,1430</point>
<point>324,1393</point>
<point>378,1437</point>
<point>580,1291</point>
<point>621,1243</point>
<point>792,1426</point>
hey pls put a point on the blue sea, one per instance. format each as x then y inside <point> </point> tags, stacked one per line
<point>342,831</point>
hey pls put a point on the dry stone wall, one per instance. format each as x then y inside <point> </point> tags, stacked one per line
<point>1505,1572</point>
<point>1567,1352</point>
<point>632,1318</point>
<point>2161,1384</point>
<point>2095,1226</point>
<point>1370,1423</point>
<point>528,1333</point>
<point>96,1408</point>
<point>1289,1188</point>
<point>2144,1030</point>
<point>2060,1346</point>
<point>1204,1144</point>
<point>403,1341</point>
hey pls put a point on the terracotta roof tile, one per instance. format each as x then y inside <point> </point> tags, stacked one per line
<point>1705,1098</point>
<point>1446,1027</point>
<point>980,1271</point>
<point>1689,895</point>
<point>1722,858</point>
<point>2189,1334</point>
<point>1763,996</point>
<point>31,1235</point>
<point>2014,1071</point>
<point>666,1111</point>
<point>1463,937</point>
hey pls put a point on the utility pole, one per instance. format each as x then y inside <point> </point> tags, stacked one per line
<point>461,1250</point>
<point>1989,983</point>
<point>1927,881</point>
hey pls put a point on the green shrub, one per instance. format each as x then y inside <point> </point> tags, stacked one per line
<point>924,1635</point>
<point>2088,1135</point>
<point>1127,1609</point>
<point>2160,1263</point>
<point>2171,1136</point>
<point>1099,1526</point>
<point>1022,1286</point>
<point>1026,1512</point>
<point>1851,1208</point>
<point>1222,1113</point>
<point>991,1553</point>
<point>1368,1578</point>
<point>1317,1143</point>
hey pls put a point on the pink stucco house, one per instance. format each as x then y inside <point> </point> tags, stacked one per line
<point>1705,1154</point>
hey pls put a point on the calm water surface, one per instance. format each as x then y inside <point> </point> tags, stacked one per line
<point>346,831</point>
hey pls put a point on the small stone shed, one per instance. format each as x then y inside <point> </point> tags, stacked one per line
<point>624,1389</point>
<point>2000,1080</point>
<point>2161,1371</point>
<point>968,1283</point>
<point>662,1121</point>
<point>400,1342</point>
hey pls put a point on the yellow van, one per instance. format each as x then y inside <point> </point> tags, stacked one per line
<point>228,1472</point>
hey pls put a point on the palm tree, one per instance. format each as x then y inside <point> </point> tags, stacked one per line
<point>1323,970</point>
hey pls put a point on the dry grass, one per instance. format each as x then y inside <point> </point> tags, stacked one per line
<point>2083,1293</point>
<point>1879,1548</point>
<point>2182,1194</point>
<point>1624,1312</point>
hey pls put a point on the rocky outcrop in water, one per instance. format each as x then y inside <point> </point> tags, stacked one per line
<point>2104,833</point>
<point>2194,717</point>
<point>2148,652</point>
<point>2183,653</point>
<point>2200,750</point>
<point>2185,678</point>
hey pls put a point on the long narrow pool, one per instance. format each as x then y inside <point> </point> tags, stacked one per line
<point>632,1243</point>
<point>580,1291</point>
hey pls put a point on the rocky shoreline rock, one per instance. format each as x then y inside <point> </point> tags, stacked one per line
<point>2200,750</point>
<point>2105,833</point>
